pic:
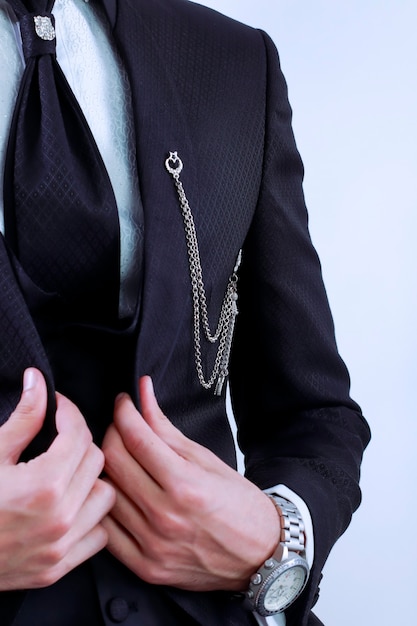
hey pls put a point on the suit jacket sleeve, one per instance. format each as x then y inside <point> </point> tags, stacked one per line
<point>297,424</point>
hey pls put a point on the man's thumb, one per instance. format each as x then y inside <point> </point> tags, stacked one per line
<point>27,418</point>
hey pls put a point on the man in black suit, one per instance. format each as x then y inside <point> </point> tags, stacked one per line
<point>214,235</point>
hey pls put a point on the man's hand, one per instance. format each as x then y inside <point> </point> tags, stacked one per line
<point>182,516</point>
<point>52,506</point>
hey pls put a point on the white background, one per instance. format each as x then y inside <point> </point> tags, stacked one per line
<point>351,69</point>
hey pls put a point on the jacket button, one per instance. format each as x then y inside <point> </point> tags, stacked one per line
<point>118,610</point>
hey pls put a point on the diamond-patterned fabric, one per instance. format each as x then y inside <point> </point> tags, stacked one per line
<point>61,217</point>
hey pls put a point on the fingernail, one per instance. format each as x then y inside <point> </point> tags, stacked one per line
<point>150,384</point>
<point>29,379</point>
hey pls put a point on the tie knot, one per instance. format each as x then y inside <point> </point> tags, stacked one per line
<point>38,34</point>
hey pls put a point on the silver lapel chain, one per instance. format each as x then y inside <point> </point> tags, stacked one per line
<point>226,323</point>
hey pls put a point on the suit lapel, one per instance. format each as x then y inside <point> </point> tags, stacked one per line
<point>160,129</point>
<point>20,344</point>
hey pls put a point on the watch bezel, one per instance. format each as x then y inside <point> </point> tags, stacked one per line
<point>269,575</point>
<point>293,561</point>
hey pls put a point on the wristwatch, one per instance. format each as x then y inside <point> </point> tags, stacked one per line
<point>281,578</point>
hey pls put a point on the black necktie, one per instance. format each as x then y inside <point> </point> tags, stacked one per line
<point>61,217</point>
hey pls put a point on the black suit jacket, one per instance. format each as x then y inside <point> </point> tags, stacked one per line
<point>211,89</point>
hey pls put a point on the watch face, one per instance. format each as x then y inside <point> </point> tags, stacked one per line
<point>284,589</point>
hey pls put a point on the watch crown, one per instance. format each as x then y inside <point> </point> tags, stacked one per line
<point>269,563</point>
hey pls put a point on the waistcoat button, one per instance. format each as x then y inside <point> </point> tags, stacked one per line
<point>118,609</point>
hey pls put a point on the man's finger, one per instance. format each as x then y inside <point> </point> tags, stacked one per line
<point>165,429</point>
<point>146,447</point>
<point>71,444</point>
<point>26,420</point>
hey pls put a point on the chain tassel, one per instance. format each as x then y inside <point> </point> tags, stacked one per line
<point>229,310</point>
